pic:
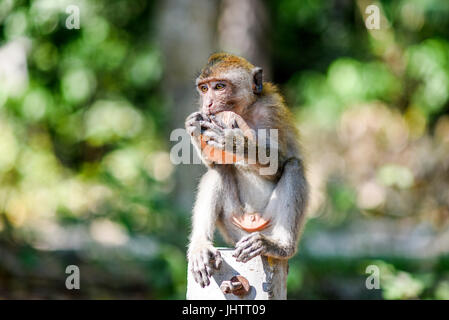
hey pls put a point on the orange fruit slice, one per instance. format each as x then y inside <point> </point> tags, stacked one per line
<point>250,222</point>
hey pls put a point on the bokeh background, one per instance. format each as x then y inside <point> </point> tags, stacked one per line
<point>86,115</point>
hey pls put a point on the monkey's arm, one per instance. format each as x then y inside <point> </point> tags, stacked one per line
<point>202,255</point>
<point>287,207</point>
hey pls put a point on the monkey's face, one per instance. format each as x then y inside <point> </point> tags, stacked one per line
<point>215,96</point>
<point>231,92</point>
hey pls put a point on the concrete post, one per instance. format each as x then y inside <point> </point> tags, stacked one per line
<point>267,279</point>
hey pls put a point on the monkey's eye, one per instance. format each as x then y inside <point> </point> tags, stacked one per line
<point>203,88</point>
<point>220,86</point>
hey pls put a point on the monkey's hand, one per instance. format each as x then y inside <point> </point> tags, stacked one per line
<point>230,140</point>
<point>250,246</point>
<point>195,124</point>
<point>203,259</point>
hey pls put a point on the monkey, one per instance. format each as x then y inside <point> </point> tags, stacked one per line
<point>228,192</point>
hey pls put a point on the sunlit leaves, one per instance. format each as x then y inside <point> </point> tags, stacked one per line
<point>35,104</point>
<point>347,82</point>
<point>76,127</point>
<point>16,24</point>
<point>107,121</point>
<point>428,63</point>
<point>394,175</point>
<point>5,9</point>
<point>45,56</point>
<point>145,69</point>
<point>9,146</point>
<point>44,15</point>
<point>78,85</point>
<point>124,165</point>
<point>95,31</point>
<point>345,79</point>
<point>397,284</point>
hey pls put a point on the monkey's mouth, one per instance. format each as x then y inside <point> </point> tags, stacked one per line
<point>230,106</point>
<point>212,112</point>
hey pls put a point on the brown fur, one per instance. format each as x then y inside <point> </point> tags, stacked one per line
<point>218,63</point>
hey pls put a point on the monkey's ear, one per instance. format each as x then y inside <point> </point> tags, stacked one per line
<point>257,80</point>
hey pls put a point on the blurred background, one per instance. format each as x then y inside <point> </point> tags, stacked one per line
<point>86,115</point>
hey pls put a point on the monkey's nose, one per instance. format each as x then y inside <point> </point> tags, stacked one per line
<point>209,107</point>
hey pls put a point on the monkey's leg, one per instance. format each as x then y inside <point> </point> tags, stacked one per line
<point>287,207</point>
<point>202,255</point>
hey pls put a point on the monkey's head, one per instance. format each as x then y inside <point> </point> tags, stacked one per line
<point>228,82</point>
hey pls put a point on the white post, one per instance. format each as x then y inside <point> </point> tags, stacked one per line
<point>267,279</point>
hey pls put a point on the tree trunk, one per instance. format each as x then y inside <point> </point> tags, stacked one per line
<point>242,30</point>
<point>186,35</point>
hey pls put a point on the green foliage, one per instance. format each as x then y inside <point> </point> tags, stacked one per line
<point>80,148</point>
<point>85,175</point>
<point>372,109</point>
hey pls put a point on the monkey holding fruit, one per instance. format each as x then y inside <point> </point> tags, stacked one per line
<point>259,214</point>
